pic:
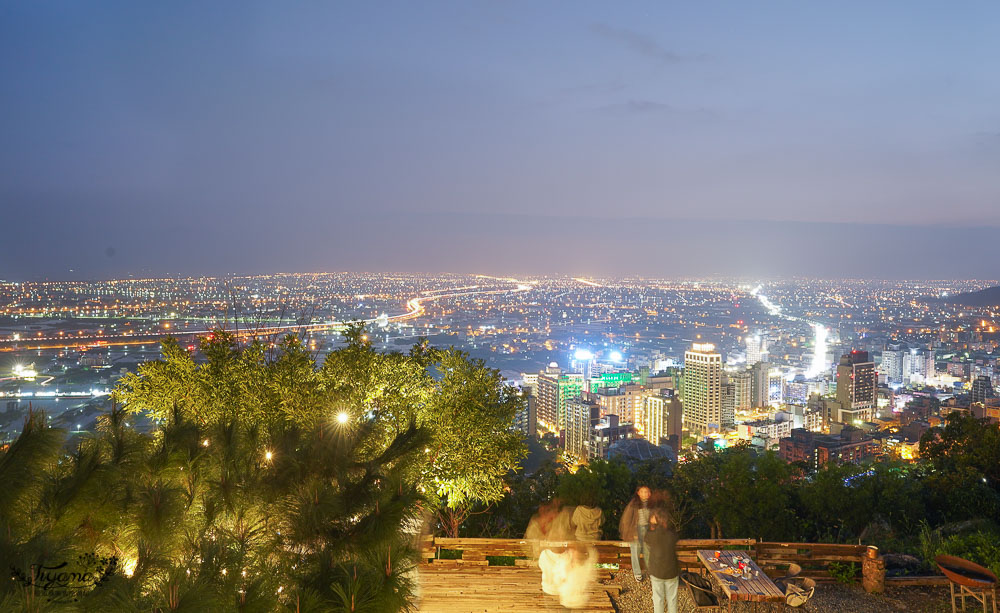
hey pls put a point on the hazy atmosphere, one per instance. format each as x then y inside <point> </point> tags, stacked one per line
<point>586,138</point>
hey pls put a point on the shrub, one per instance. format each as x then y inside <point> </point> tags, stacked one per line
<point>846,572</point>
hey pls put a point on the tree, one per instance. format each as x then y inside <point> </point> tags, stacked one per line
<point>267,483</point>
<point>473,447</point>
<point>222,517</point>
<point>466,407</point>
<point>735,491</point>
<point>964,443</point>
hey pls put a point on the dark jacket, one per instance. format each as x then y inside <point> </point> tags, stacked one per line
<point>630,520</point>
<point>661,558</point>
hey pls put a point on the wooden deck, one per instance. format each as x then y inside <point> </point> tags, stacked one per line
<point>454,588</point>
<point>472,584</point>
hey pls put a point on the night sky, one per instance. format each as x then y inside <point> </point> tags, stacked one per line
<point>661,139</point>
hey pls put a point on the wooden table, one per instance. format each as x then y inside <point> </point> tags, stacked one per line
<point>758,588</point>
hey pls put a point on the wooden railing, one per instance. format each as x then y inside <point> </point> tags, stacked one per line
<point>773,558</point>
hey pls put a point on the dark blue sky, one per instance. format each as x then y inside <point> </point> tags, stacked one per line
<point>551,137</point>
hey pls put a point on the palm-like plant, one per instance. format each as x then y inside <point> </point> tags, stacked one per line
<point>217,514</point>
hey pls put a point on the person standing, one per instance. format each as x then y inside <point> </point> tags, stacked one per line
<point>633,527</point>
<point>664,569</point>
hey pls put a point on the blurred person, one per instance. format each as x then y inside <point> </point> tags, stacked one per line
<point>551,523</point>
<point>539,526</point>
<point>661,560</point>
<point>587,518</point>
<point>578,575</point>
<point>634,525</point>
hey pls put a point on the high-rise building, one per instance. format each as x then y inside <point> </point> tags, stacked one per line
<point>857,388</point>
<point>982,389</point>
<point>918,364</point>
<point>892,364</point>
<point>526,419</point>
<point>529,382</point>
<point>756,348</point>
<point>775,387</point>
<point>663,419</point>
<point>796,390</point>
<point>759,385</point>
<point>581,416</point>
<point>554,389</point>
<point>728,390</point>
<point>626,401</point>
<point>742,399</point>
<point>702,393</point>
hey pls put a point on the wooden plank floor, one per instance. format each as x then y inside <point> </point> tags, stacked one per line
<point>488,589</point>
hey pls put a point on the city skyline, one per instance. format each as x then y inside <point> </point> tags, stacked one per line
<point>504,139</point>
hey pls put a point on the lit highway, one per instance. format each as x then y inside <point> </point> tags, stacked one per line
<point>414,308</point>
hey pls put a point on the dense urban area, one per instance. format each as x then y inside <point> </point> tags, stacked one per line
<point>818,370</point>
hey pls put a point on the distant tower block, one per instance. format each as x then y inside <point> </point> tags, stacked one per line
<point>702,394</point>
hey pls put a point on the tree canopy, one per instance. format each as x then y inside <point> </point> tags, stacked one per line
<point>267,482</point>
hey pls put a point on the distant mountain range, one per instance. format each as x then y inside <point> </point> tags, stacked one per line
<point>986,297</point>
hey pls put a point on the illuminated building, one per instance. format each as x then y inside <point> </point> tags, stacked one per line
<point>918,365</point>
<point>555,388</point>
<point>581,416</point>
<point>728,391</point>
<point>857,389</point>
<point>759,385</point>
<point>797,390</point>
<point>24,372</point>
<point>756,348</point>
<point>529,382</point>
<point>982,389</point>
<point>767,431</point>
<point>663,419</point>
<point>609,379</point>
<point>847,445</point>
<point>892,364</point>
<point>626,401</point>
<point>526,420</point>
<point>775,387</point>
<point>702,393</point>
<point>606,432</point>
<point>742,399</point>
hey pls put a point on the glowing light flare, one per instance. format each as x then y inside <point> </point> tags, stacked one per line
<point>583,355</point>
<point>342,417</point>
<point>128,567</point>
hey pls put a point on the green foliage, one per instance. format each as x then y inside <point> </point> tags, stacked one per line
<point>844,572</point>
<point>965,444</point>
<point>202,516</point>
<point>250,494</point>
<point>469,414</point>
<point>980,544</point>
<point>509,516</point>
<point>604,484</point>
<point>735,492</point>
<point>465,406</point>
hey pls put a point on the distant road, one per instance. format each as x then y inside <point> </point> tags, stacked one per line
<point>414,309</point>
